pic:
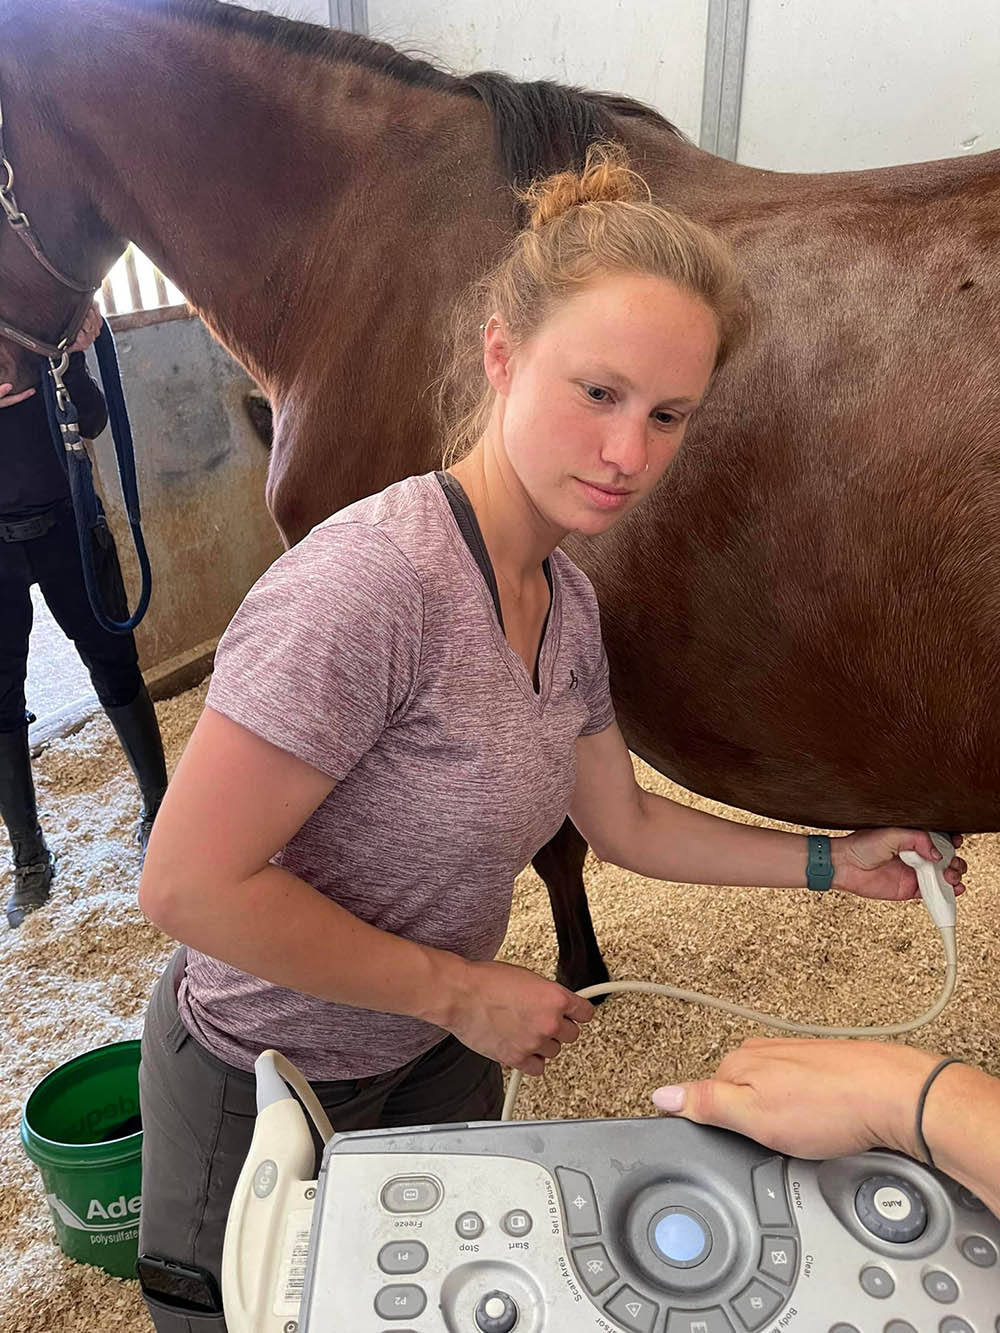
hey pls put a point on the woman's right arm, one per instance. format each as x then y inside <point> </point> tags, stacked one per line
<point>233,802</point>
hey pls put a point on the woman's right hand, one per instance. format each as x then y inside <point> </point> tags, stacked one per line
<point>514,1016</point>
<point>8,399</point>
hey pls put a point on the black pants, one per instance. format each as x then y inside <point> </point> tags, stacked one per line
<point>198,1117</point>
<point>53,562</point>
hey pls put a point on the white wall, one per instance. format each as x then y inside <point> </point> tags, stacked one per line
<point>835,85</point>
<point>311,11</point>
<point>829,84</point>
<point>652,51</point>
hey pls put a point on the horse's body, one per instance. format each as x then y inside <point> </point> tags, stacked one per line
<point>805,619</point>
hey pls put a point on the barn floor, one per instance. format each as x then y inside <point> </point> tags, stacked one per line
<point>78,973</point>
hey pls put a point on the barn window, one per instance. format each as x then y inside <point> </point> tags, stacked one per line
<point>135,291</point>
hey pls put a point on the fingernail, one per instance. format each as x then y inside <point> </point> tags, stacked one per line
<point>670,1098</point>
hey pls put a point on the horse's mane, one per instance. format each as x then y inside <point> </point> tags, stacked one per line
<point>539,127</point>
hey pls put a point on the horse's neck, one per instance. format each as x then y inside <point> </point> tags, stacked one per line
<point>209,159</point>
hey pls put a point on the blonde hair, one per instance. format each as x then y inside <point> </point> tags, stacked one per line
<point>581,224</point>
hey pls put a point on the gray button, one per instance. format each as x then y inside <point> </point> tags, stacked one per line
<point>769,1193</point>
<point>400,1302</point>
<point>756,1304</point>
<point>890,1208</point>
<point>595,1268</point>
<point>952,1324</point>
<point>898,1326</point>
<point>633,1311</point>
<point>265,1178</point>
<point>402,1256</point>
<point>517,1222</point>
<point>469,1226</point>
<point>970,1200</point>
<point>877,1282</point>
<point>411,1194</point>
<point>941,1287</point>
<point>579,1202</point>
<point>698,1321</point>
<point>979,1251</point>
<point>843,1328</point>
<point>779,1257</point>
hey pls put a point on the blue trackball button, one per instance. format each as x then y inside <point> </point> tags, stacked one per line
<point>681,1237</point>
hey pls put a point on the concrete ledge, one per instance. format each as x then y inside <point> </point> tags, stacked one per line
<point>171,677</point>
<point>182,672</point>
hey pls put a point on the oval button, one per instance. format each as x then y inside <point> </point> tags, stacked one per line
<point>411,1194</point>
<point>400,1302</point>
<point>402,1256</point>
<point>265,1178</point>
<point>979,1251</point>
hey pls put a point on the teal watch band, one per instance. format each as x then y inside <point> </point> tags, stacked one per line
<point>819,865</point>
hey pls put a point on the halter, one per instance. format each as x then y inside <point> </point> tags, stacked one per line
<point>20,224</point>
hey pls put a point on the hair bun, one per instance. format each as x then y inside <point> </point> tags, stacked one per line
<point>606,178</point>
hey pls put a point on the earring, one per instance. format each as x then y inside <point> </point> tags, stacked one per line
<point>646,468</point>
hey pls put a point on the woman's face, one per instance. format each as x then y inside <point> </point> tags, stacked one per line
<point>593,407</point>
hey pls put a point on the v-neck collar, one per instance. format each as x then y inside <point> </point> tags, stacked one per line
<point>476,559</point>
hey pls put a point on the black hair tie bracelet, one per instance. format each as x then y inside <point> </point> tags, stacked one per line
<point>942,1064</point>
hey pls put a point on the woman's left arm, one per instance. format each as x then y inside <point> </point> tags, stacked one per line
<point>659,838</point>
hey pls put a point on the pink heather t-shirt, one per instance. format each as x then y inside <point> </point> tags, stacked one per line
<point>372,651</point>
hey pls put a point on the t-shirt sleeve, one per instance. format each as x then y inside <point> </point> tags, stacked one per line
<point>324,652</point>
<point>595,685</point>
<point>600,704</point>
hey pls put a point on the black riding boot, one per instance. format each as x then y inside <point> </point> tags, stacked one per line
<point>33,863</point>
<point>137,729</point>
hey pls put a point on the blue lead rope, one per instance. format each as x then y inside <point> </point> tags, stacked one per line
<point>65,428</point>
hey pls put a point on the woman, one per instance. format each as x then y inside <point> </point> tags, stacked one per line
<point>405,708</point>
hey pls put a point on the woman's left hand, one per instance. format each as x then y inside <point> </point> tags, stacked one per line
<point>866,863</point>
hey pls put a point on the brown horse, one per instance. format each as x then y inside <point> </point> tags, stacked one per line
<point>805,620</point>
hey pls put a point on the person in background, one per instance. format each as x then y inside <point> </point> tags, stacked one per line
<point>38,544</point>
<point>827,1098</point>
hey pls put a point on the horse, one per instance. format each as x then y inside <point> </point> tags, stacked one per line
<point>804,620</point>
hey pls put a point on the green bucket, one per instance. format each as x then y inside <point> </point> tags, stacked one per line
<point>81,1128</point>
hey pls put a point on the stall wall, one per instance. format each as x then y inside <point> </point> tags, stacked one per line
<point>652,51</point>
<point>832,87</point>
<point>202,469</point>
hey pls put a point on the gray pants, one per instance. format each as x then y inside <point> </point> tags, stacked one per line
<point>198,1118</point>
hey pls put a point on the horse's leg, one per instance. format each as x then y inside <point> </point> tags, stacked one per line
<point>560,865</point>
